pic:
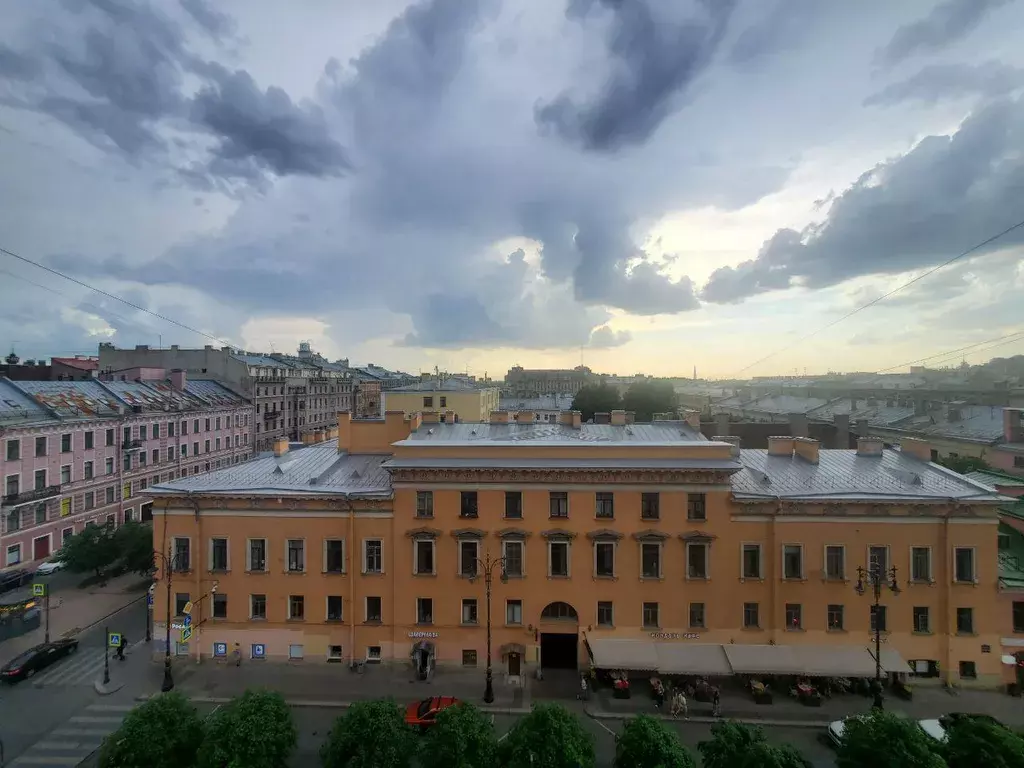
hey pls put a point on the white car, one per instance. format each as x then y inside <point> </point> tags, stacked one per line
<point>49,567</point>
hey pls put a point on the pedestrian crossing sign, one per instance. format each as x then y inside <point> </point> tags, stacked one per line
<point>114,639</point>
<point>186,634</point>
<point>38,590</point>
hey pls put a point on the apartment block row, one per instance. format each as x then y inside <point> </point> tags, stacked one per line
<point>78,452</point>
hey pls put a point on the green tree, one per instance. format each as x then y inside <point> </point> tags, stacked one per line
<point>165,732</point>
<point>734,745</point>
<point>254,730</point>
<point>884,740</point>
<point>92,550</point>
<point>135,546</point>
<point>371,734</point>
<point>973,742</point>
<point>548,737</point>
<point>647,743</point>
<point>646,398</point>
<point>964,464</point>
<point>596,398</point>
<point>462,737</point>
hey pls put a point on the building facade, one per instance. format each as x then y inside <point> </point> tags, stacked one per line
<point>453,399</point>
<point>527,382</point>
<point>617,542</point>
<point>78,452</point>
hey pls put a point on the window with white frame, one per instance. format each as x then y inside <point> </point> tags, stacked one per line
<point>423,557</point>
<point>14,449</point>
<point>374,608</point>
<point>335,606</point>
<point>295,552</point>
<point>558,558</point>
<point>87,470</point>
<point>751,561</point>
<point>182,559</point>
<point>792,561</point>
<point>650,559</point>
<point>424,610</point>
<point>604,559</point>
<point>469,551</point>
<point>963,565</point>
<point>878,560</point>
<point>13,554</point>
<point>921,564</point>
<point>649,616</point>
<point>835,562</point>
<point>296,607</point>
<point>605,613</point>
<point>373,556</point>
<point>696,560</point>
<point>469,611</point>
<point>257,555</point>
<point>334,555</point>
<point>218,554</point>
<point>514,553</point>
<point>514,612</point>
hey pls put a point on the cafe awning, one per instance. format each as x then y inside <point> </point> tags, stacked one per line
<point>692,659</point>
<point>810,660</point>
<point>892,661</point>
<point>761,659</point>
<point>618,653</point>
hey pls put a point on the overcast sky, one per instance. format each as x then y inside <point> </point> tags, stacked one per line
<point>646,185</point>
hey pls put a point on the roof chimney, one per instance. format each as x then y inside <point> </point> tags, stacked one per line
<point>692,418</point>
<point>618,418</point>
<point>919,449</point>
<point>281,446</point>
<point>806,448</point>
<point>732,440</point>
<point>525,417</point>
<point>430,417</point>
<point>1013,425</point>
<point>780,446</point>
<point>869,446</point>
<point>179,379</point>
<point>577,419</point>
<point>497,417</point>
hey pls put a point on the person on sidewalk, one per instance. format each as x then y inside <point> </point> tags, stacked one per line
<point>237,655</point>
<point>120,648</point>
<point>716,704</point>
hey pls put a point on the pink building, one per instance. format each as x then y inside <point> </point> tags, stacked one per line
<point>77,452</point>
<point>1008,455</point>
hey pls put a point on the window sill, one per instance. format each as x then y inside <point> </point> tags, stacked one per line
<point>696,519</point>
<point>257,573</point>
<point>558,576</point>
<point>751,629</point>
<point>650,519</point>
<point>334,621</point>
<point>257,618</point>
<point>424,517</point>
<point>836,630</point>
<point>605,577</point>
<point>513,626</point>
<point>515,575</point>
<point>219,571</point>
<point>698,627</point>
<point>424,574</point>
<point>744,579</point>
<point>794,629</point>
<point>424,623</point>
<point>373,622</point>
<point>922,582</point>
<point>835,580</point>
<point>558,517</point>
<point>373,573</point>
<point>966,634</point>
<point>294,621</point>
<point>608,519</point>
<point>696,578</point>
<point>922,633</point>
<point>512,517</point>
<point>958,583</point>
<point>333,573</point>
<point>800,579</point>
<point>469,624</point>
<point>650,628</point>
<point>653,578</point>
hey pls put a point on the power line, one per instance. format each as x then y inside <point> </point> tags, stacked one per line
<point>113,296</point>
<point>883,297</point>
<point>1007,339</point>
<point>100,312</point>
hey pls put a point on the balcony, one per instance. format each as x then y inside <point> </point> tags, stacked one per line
<point>132,445</point>
<point>33,496</point>
<point>271,415</point>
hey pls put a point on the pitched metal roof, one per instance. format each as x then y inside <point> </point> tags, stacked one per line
<point>445,385</point>
<point>844,474</point>
<point>578,463</point>
<point>558,402</point>
<point>314,470</point>
<point>18,407</point>
<point>655,433</point>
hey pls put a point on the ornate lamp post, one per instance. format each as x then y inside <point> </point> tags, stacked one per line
<point>168,561</point>
<point>876,578</point>
<point>487,566</point>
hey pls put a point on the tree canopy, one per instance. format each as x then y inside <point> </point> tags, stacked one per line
<point>165,732</point>
<point>371,734</point>
<point>462,737</point>
<point>975,742</point>
<point>549,737</point>
<point>964,464</point>
<point>883,740</point>
<point>91,550</point>
<point>734,745</point>
<point>254,730</point>
<point>134,542</point>
<point>646,398</point>
<point>596,398</point>
<point>646,742</point>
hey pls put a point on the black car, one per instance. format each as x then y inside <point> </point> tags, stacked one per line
<point>37,659</point>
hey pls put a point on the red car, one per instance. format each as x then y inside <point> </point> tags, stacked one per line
<point>421,714</point>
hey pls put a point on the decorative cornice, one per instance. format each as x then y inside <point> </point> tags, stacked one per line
<point>605,534</point>
<point>558,533</point>
<point>514,533</point>
<point>697,536</point>
<point>650,533</point>
<point>562,476</point>
<point>468,533</point>
<point>423,533</point>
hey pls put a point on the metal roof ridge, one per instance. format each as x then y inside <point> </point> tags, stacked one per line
<point>46,407</point>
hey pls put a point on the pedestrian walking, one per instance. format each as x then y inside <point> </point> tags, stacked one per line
<point>121,646</point>
<point>716,704</point>
<point>237,655</point>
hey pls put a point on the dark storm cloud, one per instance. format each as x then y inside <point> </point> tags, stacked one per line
<point>654,58</point>
<point>944,196</point>
<point>124,92</point>
<point>939,82</point>
<point>948,23</point>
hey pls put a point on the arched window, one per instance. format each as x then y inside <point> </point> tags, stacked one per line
<point>559,611</point>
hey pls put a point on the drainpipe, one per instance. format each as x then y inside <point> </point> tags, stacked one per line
<point>776,572</point>
<point>351,583</point>
<point>119,443</point>
<point>946,582</point>
<point>197,565</point>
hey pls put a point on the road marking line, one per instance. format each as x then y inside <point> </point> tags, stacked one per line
<point>503,736</point>
<point>63,746</point>
<point>79,733</point>
<point>604,726</point>
<point>47,760</point>
<point>115,721</point>
<point>111,707</point>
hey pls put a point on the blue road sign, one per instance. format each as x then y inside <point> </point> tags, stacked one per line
<point>220,649</point>
<point>114,639</point>
<point>188,621</point>
<point>259,650</point>
<point>149,598</point>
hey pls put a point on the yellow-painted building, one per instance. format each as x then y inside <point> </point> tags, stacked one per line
<point>452,399</point>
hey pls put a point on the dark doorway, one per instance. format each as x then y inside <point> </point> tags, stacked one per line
<point>558,650</point>
<point>514,664</point>
<point>422,654</point>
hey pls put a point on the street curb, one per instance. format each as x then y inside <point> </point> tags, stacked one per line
<point>318,704</point>
<point>704,720</point>
<point>87,627</point>
<point>106,690</point>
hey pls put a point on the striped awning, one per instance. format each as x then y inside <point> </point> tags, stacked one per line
<point>893,661</point>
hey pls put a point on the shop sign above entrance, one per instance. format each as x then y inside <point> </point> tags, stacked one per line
<point>675,636</point>
<point>424,634</point>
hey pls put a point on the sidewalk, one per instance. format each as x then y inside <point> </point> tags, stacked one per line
<point>75,610</point>
<point>334,685</point>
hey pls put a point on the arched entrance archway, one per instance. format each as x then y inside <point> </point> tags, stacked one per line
<point>559,636</point>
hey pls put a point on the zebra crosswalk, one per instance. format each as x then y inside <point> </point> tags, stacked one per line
<point>79,737</point>
<point>84,667</point>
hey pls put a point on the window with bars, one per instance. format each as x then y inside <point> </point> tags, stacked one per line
<point>696,506</point>
<point>922,619</point>
<point>835,617</point>
<point>650,506</point>
<point>424,503</point>
<point>296,550</point>
<point>605,505</point>
<point>558,504</point>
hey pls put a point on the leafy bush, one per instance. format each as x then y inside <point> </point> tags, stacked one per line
<point>462,737</point>
<point>972,742</point>
<point>884,740</point>
<point>254,730</point>
<point>646,742</point>
<point>165,732</point>
<point>549,737</point>
<point>371,734</point>
<point>734,745</point>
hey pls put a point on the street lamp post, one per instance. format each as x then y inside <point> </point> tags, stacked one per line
<point>876,578</point>
<point>106,655</point>
<point>149,613</point>
<point>168,559</point>
<point>487,566</point>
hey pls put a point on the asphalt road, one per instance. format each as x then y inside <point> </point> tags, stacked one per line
<point>32,709</point>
